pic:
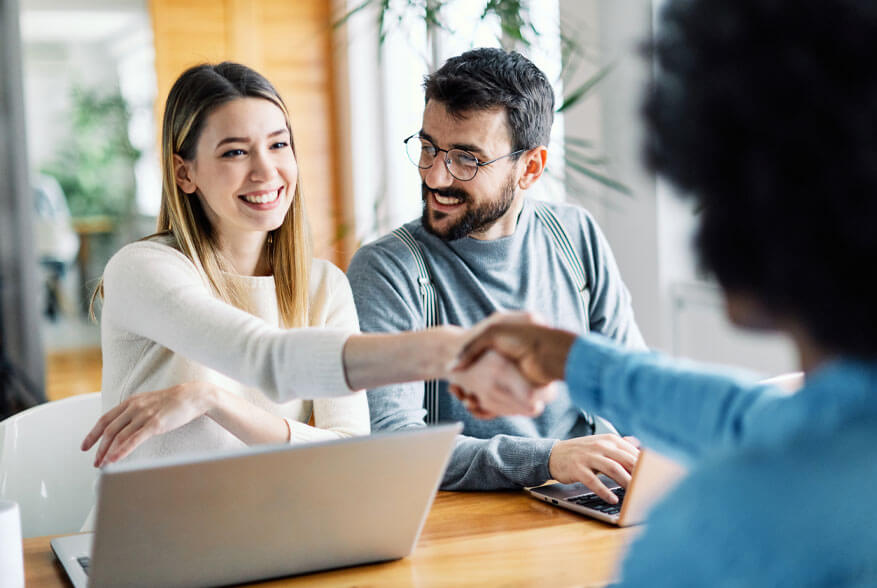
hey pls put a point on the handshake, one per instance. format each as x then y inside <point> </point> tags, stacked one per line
<point>508,365</point>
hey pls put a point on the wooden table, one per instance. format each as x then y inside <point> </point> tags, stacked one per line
<point>470,539</point>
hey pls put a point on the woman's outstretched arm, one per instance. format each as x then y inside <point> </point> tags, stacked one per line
<point>154,292</point>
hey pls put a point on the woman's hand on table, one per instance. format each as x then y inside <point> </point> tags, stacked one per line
<point>147,414</point>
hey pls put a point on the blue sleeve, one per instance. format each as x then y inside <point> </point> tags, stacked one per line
<point>675,407</point>
<point>705,533</point>
<point>383,279</point>
<point>792,514</point>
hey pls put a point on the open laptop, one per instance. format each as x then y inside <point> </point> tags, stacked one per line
<point>652,477</point>
<point>261,512</point>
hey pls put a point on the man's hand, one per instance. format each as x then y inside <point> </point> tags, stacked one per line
<point>539,355</point>
<point>539,352</point>
<point>582,458</point>
<point>493,386</point>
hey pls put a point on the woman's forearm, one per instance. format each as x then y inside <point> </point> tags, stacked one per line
<point>145,415</point>
<point>372,360</point>
<point>244,420</point>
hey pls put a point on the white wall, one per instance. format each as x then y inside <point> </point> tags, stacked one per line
<point>650,231</point>
<point>613,30</point>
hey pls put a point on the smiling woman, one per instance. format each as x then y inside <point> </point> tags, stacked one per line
<point>202,323</point>
<point>244,174</point>
<point>232,236</point>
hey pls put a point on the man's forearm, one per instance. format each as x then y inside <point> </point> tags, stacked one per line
<point>501,462</point>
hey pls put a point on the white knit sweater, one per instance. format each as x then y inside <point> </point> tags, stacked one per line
<point>161,325</point>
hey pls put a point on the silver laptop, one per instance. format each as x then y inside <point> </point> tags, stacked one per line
<point>261,512</point>
<point>653,476</point>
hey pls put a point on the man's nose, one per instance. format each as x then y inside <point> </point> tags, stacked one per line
<point>438,175</point>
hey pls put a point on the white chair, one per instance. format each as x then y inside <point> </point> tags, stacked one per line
<point>42,467</point>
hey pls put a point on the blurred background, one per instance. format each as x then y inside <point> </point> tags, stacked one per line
<point>83,84</point>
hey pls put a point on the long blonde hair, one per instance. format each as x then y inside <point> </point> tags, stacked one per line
<point>195,94</point>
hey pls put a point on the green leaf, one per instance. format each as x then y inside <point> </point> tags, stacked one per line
<point>578,141</point>
<point>514,18</point>
<point>585,159</point>
<point>599,177</point>
<point>95,165</point>
<point>341,21</point>
<point>431,11</point>
<point>576,95</point>
<point>382,32</point>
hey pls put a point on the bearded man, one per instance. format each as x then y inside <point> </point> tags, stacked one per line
<point>483,246</point>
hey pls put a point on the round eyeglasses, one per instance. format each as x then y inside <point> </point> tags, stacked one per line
<point>459,163</point>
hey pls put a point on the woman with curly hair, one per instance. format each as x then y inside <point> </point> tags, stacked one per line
<point>765,113</point>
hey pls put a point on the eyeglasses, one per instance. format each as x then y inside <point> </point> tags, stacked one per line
<point>460,164</point>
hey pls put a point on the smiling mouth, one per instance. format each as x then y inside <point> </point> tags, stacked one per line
<point>262,197</point>
<point>447,200</point>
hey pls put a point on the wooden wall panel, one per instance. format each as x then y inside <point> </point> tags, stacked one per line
<point>289,42</point>
<point>185,33</point>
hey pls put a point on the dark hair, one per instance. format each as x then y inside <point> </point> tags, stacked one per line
<point>482,79</point>
<point>765,112</point>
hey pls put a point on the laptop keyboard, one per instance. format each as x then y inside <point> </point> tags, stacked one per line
<point>85,562</point>
<point>597,503</point>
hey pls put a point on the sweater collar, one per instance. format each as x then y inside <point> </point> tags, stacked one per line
<point>497,250</point>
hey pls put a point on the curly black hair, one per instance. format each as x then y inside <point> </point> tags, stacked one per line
<point>486,78</point>
<point>765,113</point>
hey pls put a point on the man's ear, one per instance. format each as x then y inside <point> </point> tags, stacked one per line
<point>182,175</point>
<point>534,162</point>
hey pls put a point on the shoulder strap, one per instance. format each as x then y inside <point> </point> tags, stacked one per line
<point>430,317</point>
<point>574,266</point>
<point>568,255</point>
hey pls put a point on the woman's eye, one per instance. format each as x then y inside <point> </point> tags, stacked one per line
<point>233,153</point>
<point>280,145</point>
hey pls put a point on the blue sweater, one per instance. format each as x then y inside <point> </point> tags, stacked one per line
<point>782,487</point>
<point>474,279</point>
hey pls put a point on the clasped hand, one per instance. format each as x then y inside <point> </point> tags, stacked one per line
<point>508,366</point>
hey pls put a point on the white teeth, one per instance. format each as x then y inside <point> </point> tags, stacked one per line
<point>445,200</point>
<point>263,198</point>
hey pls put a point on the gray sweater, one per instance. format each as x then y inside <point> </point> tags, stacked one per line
<point>474,279</point>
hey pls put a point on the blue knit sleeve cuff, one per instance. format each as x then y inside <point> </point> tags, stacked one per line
<point>586,364</point>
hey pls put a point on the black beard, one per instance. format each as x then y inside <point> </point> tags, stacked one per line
<point>473,219</point>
